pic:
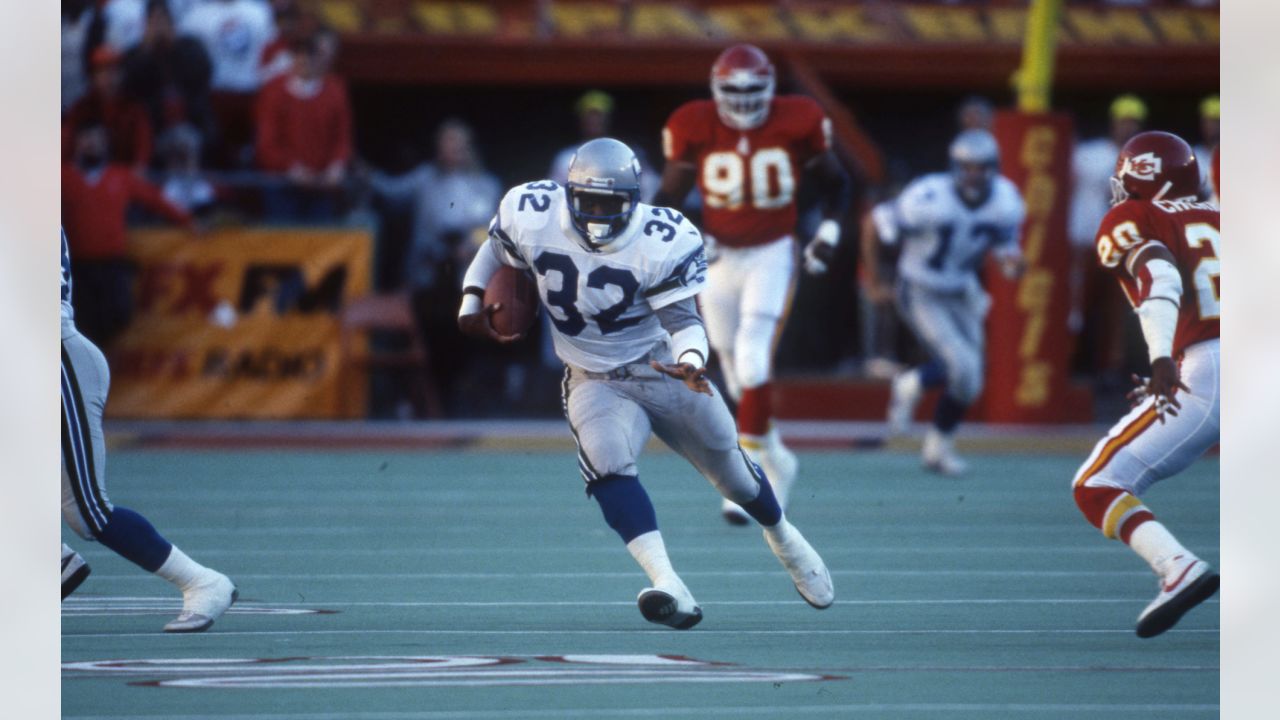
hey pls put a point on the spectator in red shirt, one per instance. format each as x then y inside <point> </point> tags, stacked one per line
<point>96,195</point>
<point>105,104</point>
<point>304,132</point>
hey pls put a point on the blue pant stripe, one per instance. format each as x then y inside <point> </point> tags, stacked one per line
<point>87,495</point>
<point>589,473</point>
<point>92,488</point>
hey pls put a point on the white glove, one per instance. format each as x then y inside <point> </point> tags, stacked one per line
<point>710,247</point>
<point>822,248</point>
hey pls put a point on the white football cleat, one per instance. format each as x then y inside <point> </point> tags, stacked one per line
<point>905,391</point>
<point>1190,582</point>
<point>74,570</point>
<point>939,454</point>
<point>807,570</point>
<point>671,604</point>
<point>203,603</point>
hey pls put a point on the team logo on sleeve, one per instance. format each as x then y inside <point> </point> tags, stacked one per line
<point>693,268</point>
<point>1143,167</point>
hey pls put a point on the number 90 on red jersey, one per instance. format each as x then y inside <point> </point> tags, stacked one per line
<point>748,178</point>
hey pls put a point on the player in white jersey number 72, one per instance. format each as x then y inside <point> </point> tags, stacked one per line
<point>618,279</point>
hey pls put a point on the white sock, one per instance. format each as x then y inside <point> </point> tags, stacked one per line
<point>781,530</point>
<point>1155,544</point>
<point>181,570</point>
<point>649,550</point>
<point>772,439</point>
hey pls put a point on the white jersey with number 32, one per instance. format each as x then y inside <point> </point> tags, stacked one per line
<point>601,303</point>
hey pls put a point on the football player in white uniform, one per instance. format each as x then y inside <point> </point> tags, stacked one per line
<point>945,224</point>
<point>618,278</point>
<point>206,593</point>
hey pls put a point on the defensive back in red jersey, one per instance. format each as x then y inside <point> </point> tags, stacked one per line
<point>1189,229</point>
<point>748,178</point>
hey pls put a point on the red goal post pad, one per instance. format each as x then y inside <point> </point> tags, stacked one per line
<point>1029,345</point>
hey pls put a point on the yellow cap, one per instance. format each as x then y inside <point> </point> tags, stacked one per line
<point>1211,107</point>
<point>1128,107</point>
<point>595,100</point>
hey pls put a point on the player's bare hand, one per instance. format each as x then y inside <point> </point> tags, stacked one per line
<point>480,325</point>
<point>1163,385</point>
<point>694,378</point>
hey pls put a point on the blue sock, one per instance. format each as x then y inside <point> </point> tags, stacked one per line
<point>948,414</point>
<point>764,508</point>
<point>626,505</point>
<point>932,374</point>
<point>135,539</point>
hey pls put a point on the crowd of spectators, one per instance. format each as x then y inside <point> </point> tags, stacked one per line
<point>195,111</point>
<point>241,88</point>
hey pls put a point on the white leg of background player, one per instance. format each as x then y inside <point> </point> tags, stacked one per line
<point>745,304</point>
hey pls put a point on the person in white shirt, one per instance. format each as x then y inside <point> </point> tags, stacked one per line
<point>1094,311</point>
<point>1210,134</point>
<point>234,32</point>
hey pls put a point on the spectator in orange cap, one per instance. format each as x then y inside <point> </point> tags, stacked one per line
<point>125,119</point>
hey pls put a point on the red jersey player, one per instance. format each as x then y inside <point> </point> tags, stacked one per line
<point>1162,245</point>
<point>747,149</point>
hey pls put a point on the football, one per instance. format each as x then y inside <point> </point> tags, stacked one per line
<point>518,295</point>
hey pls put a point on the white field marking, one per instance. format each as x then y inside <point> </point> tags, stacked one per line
<point>775,711</point>
<point>276,529</point>
<point>688,573</point>
<point>431,671</point>
<point>752,549</point>
<point>83,605</point>
<point>616,632</point>
<point>91,606</point>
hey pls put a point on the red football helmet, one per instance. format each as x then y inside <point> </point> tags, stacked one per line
<point>1155,166</point>
<point>742,81</point>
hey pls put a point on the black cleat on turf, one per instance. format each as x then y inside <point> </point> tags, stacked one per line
<point>1196,583</point>
<point>663,608</point>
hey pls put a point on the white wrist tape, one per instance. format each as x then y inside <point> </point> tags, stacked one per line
<point>690,345</point>
<point>828,232</point>
<point>1159,320</point>
<point>471,304</point>
<point>482,266</point>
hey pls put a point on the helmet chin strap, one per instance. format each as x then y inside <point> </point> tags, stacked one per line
<point>1167,185</point>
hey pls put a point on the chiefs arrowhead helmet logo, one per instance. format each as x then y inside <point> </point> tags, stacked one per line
<point>1143,167</point>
